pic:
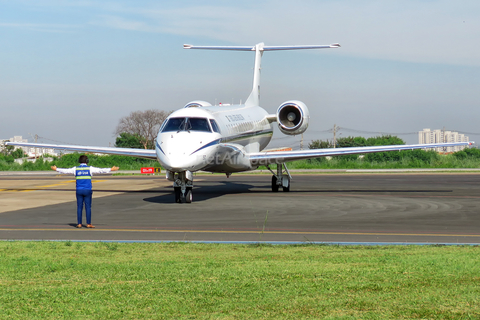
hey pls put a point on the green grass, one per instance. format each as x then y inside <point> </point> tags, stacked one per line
<point>75,280</point>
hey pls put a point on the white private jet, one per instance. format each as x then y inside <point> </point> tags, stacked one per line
<point>231,138</point>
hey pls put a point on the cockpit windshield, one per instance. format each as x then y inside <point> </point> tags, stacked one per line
<point>187,124</point>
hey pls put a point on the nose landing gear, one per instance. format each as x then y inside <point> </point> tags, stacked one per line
<point>182,186</point>
<point>183,197</point>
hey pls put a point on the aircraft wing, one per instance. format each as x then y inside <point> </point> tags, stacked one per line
<point>264,158</point>
<point>140,153</point>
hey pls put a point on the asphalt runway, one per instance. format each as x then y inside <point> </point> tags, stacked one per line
<point>363,208</point>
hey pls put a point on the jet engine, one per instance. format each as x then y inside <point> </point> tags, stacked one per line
<point>293,117</point>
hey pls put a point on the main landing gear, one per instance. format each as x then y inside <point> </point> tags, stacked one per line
<point>281,178</point>
<point>182,186</point>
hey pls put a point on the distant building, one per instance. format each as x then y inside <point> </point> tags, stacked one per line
<point>18,139</point>
<point>440,136</point>
<point>30,152</point>
<point>14,139</point>
<point>2,144</point>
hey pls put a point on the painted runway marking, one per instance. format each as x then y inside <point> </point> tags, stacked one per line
<point>43,187</point>
<point>247,232</point>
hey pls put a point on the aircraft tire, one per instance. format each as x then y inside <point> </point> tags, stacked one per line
<point>287,188</point>
<point>188,195</point>
<point>178,195</point>
<point>274,184</point>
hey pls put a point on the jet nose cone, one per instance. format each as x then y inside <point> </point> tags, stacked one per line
<point>179,163</point>
<point>184,150</point>
<point>176,158</point>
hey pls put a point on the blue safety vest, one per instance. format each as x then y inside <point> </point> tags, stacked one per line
<point>83,177</point>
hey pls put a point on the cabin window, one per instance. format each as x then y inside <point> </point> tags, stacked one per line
<point>187,124</point>
<point>163,125</point>
<point>174,124</point>
<point>214,126</point>
<point>198,124</point>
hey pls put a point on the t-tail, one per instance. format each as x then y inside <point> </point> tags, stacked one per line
<point>254,97</point>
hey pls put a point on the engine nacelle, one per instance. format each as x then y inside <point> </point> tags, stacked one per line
<point>293,117</point>
<point>197,104</point>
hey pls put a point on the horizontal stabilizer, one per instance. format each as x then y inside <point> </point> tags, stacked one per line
<point>263,48</point>
<point>254,97</point>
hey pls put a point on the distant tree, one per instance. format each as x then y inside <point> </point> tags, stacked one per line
<point>384,156</point>
<point>128,140</point>
<point>471,152</point>
<point>11,151</point>
<point>144,124</point>
<point>17,153</point>
<point>7,150</point>
<point>460,155</point>
<point>384,141</point>
<point>346,142</point>
<point>319,144</point>
<point>9,159</point>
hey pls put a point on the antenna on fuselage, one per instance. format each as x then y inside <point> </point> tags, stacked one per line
<point>254,97</point>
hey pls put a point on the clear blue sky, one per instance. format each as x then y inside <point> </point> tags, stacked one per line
<point>69,70</point>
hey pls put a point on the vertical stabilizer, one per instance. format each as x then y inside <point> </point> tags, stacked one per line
<point>254,97</point>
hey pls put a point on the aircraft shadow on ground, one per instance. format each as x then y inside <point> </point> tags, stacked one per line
<point>207,192</point>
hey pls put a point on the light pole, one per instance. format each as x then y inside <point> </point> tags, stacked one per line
<point>335,129</point>
<point>36,137</point>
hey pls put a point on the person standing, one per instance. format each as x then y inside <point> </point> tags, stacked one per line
<point>83,176</point>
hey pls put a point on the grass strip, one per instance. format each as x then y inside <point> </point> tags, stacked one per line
<point>78,280</point>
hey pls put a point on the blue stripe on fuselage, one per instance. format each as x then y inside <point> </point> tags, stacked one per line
<point>246,135</point>
<point>214,142</point>
<point>158,146</point>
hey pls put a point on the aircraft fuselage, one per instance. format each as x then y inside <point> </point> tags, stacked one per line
<point>213,138</point>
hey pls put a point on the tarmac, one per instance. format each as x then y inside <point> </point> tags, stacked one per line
<point>327,207</point>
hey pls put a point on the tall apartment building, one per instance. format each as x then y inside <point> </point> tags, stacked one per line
<point>439,136</point>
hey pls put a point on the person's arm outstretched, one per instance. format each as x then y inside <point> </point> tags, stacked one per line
<point>64,171</point>
<point>103,170</point>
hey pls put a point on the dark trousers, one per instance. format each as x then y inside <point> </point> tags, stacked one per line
<point>84,196</point>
